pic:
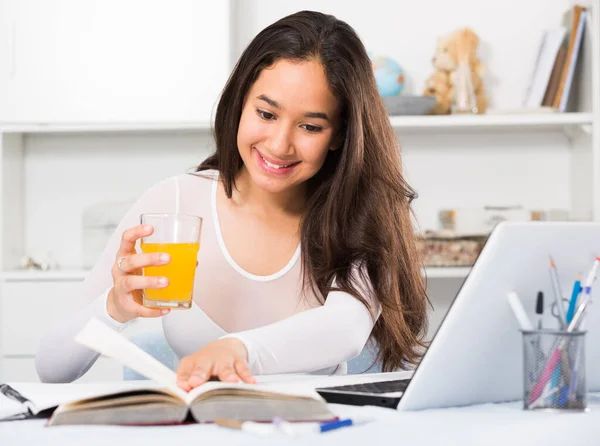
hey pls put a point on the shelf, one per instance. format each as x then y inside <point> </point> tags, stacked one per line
<point>43,276</point>
<point>550,121</point>
<point>107,127</point>
<point>447,272</point>
<point>547,121</point>
<point>76,275</point>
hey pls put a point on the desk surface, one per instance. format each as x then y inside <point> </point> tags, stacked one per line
<point>489,424</point>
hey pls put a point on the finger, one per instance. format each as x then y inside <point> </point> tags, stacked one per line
<point>242,370</point>
<point>135,262</point>
<point>201,373</point>
<point>131,283</point>
<point>186,365</point>
<point>227,374</point>
<point>141,311</point>
<point>131,236</point>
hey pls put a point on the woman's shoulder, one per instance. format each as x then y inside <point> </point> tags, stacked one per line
<point>181,184</point>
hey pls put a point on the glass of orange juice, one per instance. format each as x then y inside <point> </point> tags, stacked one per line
<point>179,236</point>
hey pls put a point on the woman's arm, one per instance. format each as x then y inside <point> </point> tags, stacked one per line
<point>59,358</point>
<point>312,340</point>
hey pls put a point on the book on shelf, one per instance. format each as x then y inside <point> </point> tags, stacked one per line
<point>575,20</point>
<point>552,87</point>
<point>544,66</point>
<point>161,401</point>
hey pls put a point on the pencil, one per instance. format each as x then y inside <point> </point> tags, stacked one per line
<point>557,294</point>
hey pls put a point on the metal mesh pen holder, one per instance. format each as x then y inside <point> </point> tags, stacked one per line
<point>554,370</point>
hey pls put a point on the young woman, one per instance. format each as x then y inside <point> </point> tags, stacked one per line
<point>307,247</point>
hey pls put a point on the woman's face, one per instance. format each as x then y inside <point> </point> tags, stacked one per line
<point>288,125</point>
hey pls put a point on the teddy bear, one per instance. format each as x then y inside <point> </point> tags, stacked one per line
<point>457,49</point>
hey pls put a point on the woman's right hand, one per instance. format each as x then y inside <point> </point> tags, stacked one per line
<point>124,301</point>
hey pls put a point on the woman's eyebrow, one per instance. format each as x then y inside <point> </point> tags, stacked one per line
<point>269,101</point>
<point>275,104</point>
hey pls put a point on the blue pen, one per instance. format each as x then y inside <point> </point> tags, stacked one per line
<point>563,397</point>
<point>326,427</point>
<point>573,302</point>
<point>555,376</point>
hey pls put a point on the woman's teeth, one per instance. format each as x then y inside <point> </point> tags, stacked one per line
<point>274,166</point>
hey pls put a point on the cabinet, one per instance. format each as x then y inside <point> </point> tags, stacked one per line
<point>112,61</point>
<point>53,166</point>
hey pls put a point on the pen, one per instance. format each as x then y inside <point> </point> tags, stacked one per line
<point>592,274</point>
<point>539,309</point>
<point>301,428</point>
<point>557,294</point>
<point>14,395</point>
<point>519,311</point>
<point>247,426</point>
<point>573,301</point>
<point>579,313</point>
<point>326,427</point>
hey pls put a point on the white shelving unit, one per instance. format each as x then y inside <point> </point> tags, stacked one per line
<point>512,122</point>
<point>107,127</point>
<point>50,171</point>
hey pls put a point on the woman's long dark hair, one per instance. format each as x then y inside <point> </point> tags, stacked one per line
<point>358,215</point>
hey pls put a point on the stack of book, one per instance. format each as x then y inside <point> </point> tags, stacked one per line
<point>555,66</point>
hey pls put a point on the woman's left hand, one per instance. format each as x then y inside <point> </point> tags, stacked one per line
<point>227,359</point>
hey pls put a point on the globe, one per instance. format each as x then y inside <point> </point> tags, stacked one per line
<point>388,75</point>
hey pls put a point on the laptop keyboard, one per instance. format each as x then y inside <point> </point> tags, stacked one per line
<point>376,387</point>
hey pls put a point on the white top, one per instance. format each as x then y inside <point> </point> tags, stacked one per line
<point>283,331</point>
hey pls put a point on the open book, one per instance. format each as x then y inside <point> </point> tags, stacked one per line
<point>169,404</point>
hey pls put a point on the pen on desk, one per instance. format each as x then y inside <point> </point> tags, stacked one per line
<point>557,294</point>
<point>326,427</point>
<point>573,301</point>
<point>539,309</point>
<point>303,428</point>
<point>14,395</point>
<point>247,426</point>
<point>519,311</point>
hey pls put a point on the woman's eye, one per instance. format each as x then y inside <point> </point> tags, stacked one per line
<point>265,115</point>
<point>312,128</point>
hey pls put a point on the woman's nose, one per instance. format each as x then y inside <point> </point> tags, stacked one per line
<point>280,140</point>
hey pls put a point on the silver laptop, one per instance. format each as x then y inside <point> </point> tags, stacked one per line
<point>476,354</point>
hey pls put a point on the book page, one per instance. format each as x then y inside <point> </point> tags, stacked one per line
<point>100,338</point>
<point>291,389</point>
<point>46,395</point>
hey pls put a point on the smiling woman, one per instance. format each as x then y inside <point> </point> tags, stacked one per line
<point>285,131</point>
<point>307,245</point>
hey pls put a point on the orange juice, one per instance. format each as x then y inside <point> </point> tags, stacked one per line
<point>180,272</point>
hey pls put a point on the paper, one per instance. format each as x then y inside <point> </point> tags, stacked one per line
<point>99,337</point>
<point>44,396</point>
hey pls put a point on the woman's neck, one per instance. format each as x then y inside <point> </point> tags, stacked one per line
<point>247,194</point>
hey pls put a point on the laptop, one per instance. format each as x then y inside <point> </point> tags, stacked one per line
<point>476,355</point>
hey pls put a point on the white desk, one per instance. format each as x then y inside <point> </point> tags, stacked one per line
<point>490,424</point>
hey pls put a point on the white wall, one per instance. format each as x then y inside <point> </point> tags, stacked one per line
<point>450,170</point>
<point>65,173</point>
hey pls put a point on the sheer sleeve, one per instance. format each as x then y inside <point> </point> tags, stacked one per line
<point>312,340</point>
<point>59,358</point>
